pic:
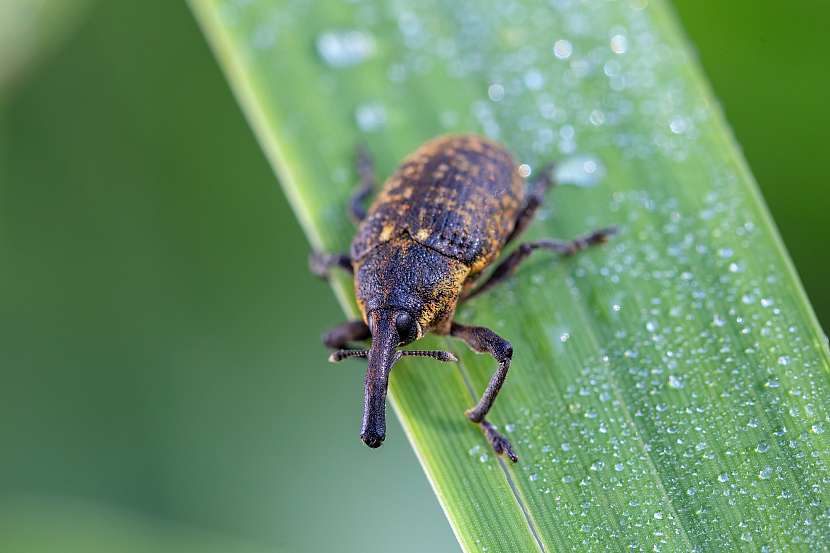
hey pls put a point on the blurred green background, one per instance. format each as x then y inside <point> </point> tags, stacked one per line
<point>163,385</point>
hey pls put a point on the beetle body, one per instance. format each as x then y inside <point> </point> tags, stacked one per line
<point>438,222</point>
<point>440,219</point>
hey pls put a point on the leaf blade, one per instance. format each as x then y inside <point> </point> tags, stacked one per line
<point>662,378</point>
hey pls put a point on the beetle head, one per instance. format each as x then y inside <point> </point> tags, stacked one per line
<point>390,329</point>
<point>418,286</point>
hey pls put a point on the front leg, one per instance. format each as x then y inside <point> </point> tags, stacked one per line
<point>484,340</point>
<point>345,334</point>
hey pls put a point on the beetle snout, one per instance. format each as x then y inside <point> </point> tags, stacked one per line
<point>381,358</point>
<point>372,439</point>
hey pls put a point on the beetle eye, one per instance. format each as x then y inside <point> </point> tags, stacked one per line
<point>407,331</point>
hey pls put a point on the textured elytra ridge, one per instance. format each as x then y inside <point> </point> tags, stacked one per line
<point>669,391</point>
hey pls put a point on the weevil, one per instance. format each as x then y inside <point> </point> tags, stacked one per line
<point>438,223</point>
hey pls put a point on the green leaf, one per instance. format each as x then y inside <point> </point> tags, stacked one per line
<point>27,29</point>
<point>669,390</point>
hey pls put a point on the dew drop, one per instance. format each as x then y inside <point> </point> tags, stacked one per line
<point>580,171</point>
<point>370,117</point>
<point>597,118</point>
<point>345,48</point>
<point>562,49</point>
<point>534,80</point>
<point>567,132</point>
<point>495,92</point>
<point>611,68</point>
<point>619,44</point>
<point>658,515</point>
<point>765,473</point>
<point>676,382</point>
<point>678,125</point>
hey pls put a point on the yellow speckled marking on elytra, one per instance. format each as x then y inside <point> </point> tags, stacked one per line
<point>387,232</point>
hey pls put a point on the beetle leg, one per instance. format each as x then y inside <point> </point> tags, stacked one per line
<point>351,331</point>
<point>366,175</point>
<point>484,340</point>
<point>537,195</point>
<point>563,247</point>
<point>320,264</point>
<point>500,444</point>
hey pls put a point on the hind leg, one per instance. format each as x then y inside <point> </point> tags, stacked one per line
<point>366,174</point>
<point>321,264</point>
